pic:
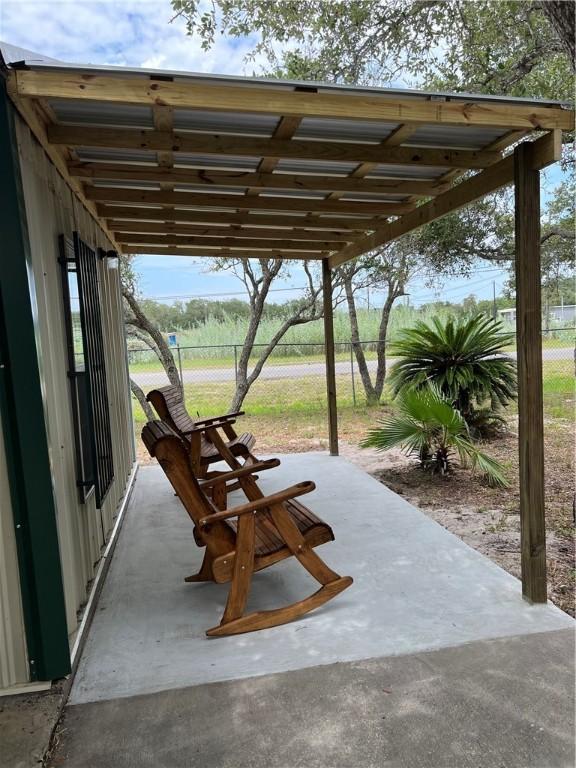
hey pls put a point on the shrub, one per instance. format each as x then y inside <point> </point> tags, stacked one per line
<point>464,359</point>
<point>428,426</point>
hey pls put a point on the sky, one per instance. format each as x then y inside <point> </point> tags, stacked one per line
<point>145,34</point>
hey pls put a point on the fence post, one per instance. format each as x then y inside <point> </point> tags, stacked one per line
<point>236,364</point>
<point>352,374</point>
<point>180,366</point>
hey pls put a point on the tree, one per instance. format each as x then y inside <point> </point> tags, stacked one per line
<point>388,268</point>
<point>257,275</point>
<point>489,46</point>
<point>560,13</point>
<point>140,327</point>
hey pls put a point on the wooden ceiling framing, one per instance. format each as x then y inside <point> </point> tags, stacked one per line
<point>161,189</point>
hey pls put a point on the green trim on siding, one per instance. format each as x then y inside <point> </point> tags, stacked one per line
<point>23,420</point>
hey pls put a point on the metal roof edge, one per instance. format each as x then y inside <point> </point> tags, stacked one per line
<point>44,63</point>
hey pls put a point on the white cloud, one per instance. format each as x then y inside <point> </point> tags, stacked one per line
<point>134,34</point>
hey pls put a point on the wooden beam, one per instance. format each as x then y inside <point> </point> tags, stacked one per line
<point>123,228</point>
<point>155,141</point>
<point>529,361</point>
<point>395,139</point>
<point>257,180</point>
<point>279,100</point>
<point>125,238</point>
<point>164,121</point>
<point>215,253</point>
<point>286,128</point>
<point>498,145</point>
<point>545,152</point>
<point>330,359</point>
<point>342,223</point>
<point>203,200</point>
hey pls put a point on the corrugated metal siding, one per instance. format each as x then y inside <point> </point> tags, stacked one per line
<point>52,210</point>
<point>13,657</point>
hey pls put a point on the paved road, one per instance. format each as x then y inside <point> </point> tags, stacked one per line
<point>293,370</point>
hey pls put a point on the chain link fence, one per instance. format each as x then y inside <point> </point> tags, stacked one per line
<point>292,379</point>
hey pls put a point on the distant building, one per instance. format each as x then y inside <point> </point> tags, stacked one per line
<point>508,314</point>
<point>563,314</point>
<point>558,314</point>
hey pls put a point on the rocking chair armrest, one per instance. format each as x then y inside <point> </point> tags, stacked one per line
<point>257,466</point>
<point>224,417</point>
<point>215,424</point>
<point>259,505</point>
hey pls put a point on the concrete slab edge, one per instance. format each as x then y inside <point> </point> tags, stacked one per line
<point>101,572</point>
<point>97,585</point>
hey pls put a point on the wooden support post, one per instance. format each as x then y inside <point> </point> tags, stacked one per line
<point>330,361</point>
<point>530,407</point>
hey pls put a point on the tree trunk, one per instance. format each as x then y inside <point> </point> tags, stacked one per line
<point>161,347</point>
<point>245,381</point>
<point>141,397</point>
<point>372,396</point>
<point>560,14</point>
<point>242,383</point>
<point>382,334</point>
<point>374,390</point>
<point>258,289</point>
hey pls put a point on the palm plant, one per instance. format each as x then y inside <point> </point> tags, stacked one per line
<point>428,426</point>
<point>464,358</point>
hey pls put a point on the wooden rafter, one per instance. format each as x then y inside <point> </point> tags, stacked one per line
<point>120,195</point>
<point>395,139</point>
<point>286,128</point>
<point>500,144</point>
<point>164,121</point>
<point>221,252</point>
<point>279,100</point>
<point>255,180</point>
<point>546,150</point>
<point>344,223</point>
<point>122,228</point>
<point>171,239</point>
<point>126,138</point>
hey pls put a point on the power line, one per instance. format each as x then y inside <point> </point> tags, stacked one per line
<point>223,293</point>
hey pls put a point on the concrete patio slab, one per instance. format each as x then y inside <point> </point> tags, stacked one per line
<point>416,588</point>
<point>506,703</point>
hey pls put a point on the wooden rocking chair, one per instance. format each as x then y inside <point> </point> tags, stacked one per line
<point>248,537</point>
<point>170,407</point>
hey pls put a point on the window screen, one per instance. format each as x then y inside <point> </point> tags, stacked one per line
<point>86,368</point>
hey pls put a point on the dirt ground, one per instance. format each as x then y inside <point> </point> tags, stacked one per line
<point>487,519</point>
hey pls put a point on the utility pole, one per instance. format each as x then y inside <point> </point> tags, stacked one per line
<point>494,310</point>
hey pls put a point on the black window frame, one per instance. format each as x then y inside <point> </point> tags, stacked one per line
<point>88,387</point>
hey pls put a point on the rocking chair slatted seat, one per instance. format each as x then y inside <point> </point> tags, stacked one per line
<point>249,537</point>
<point>170,407</point>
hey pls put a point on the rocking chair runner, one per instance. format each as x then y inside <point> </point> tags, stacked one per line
<point>249,537</point>
<point>169,405</point>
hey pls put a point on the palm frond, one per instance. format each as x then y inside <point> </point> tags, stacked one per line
<point>427,425</point>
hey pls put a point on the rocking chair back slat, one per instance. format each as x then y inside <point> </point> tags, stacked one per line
<point>168,448</point>
<point>169,405</point>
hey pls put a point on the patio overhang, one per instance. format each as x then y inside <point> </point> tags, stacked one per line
<point>198,165</point>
